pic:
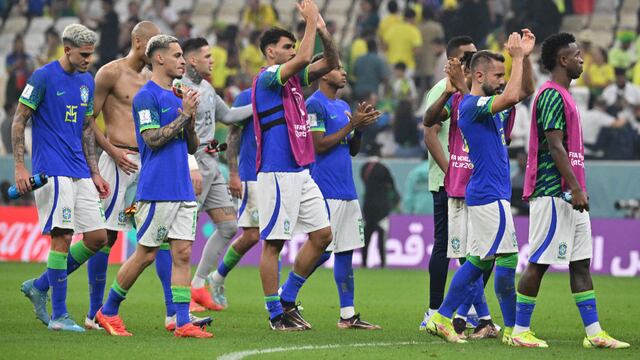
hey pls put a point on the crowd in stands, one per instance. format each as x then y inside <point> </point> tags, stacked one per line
<point>393,50</point>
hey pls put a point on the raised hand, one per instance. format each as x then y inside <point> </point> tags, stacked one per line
<point>365,115</point>
<point>320,24</point>
<point>308,9</point>
<point>455,75</point>
<point>514,46</point>
<point>528,41</point>
<point>190,103</point>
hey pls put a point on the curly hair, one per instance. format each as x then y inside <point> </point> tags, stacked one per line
<point>552,45</point>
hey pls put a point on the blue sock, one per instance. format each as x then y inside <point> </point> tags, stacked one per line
<point>163,269</point>
<point>116,296</point>
<point>291,287</point>
<point>42,282</point>
<point>97,272</point>
<point>463,309</point>
<point>480,301</point>
<point>323,259</point>
<point>586,302</point>
<point>505,287</point>
<point>524,309</point>
<point>459,288</point>
<point>57,275</point>
<point>343,275</point>
<point>181,299</point>
<point>273,305</point>
<point>182,314</point>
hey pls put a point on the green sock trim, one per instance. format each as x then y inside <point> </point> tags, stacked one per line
<point>57,260</point>
<point>116,287</point>
<point>165,246</point>
<point>80,253</point>
<point>271,298</point>
<point>524,299</point>
<point>106,250</point>
<point>181,294</point>
<point>480,264</point>
<point>585,295</point>
<point>231,258</point>
<point>508,261</point>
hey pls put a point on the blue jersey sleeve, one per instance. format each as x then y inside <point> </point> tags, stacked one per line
<point>145,111</point>
<point>270,78</point>
<point>34,92</point>
<point>316,116</point>
<point>243,99</point>
<point>480,105</point>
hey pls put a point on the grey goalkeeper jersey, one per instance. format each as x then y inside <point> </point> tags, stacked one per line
<point>211,107</point>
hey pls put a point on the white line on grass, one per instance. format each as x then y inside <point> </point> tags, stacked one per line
<point>239,355</point>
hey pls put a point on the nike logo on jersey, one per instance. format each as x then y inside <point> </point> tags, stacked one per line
<point>165,110</point>
<point>60,93</point>
<point>333,116</point>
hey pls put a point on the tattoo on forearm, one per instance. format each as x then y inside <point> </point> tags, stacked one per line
<point>233,146</point>
<point>330,51</point>
<point>89,145</point>
<point>156,138</point>
<point>17,132</point>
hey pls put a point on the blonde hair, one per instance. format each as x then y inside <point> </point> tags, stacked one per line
<point>158,42</point>
<point>78,35</point>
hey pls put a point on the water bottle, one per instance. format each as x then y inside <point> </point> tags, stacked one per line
<point>566,196</point>
<point>36,181</point>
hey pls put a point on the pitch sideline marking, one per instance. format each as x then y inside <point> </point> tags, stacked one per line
<point>239,355</point>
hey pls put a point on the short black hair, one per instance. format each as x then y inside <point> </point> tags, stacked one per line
<point>255,35</point>
<point>618,71</point>
<point>552,45</point>
<point>193,44</point>
<point>466,59</point>
<point>392,6</point>
<point>456,42</point>
<point>272,36</point>
<point>372,45</point>
<point>484,57</point>
<point>409,13</point>
<point>400,66</point>
<point>317,57</point>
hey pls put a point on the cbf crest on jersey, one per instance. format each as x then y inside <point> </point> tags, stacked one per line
<point>84,94</point>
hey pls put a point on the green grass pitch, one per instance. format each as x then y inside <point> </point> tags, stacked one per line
<point>394,299</point>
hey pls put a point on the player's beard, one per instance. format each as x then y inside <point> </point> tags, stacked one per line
<point>491,91</point>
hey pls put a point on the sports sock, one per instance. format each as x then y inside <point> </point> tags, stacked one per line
<point>586,302</point>
<point>460,287</point>
<point>163,269</point>
<point>290,289</point>
<point>505,288</point>
<point>323,259</point>
<point>57,275</point>
<point>181,299</point>
<point>225,230</point>
<point>343,275</point>
<point>78,255</point>
<point>273,305</point>
<point>229,261</point>
<point>97,273</point>
<point>524,310</point>
<point>116,295</point>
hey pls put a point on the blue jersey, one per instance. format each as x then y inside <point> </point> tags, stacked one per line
<point>332,170</point>
<point>248,147</point>
<point>485,136</point>
<point>60,101</point>
<point>276,149</point>
<point>165,171</point>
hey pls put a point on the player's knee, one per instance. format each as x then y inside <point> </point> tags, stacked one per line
<point>272,248</point>
<point>112,236</point>
<point>322,238</point>
<point>508,261</point>
<point>65,234</point>
<point>181,256</point>
<point>483,265</point>
<point>580,267</point>
<point>228,229</point>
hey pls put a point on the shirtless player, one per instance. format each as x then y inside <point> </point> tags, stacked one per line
<point>116,84</point>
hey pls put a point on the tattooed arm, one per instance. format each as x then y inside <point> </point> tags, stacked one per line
<point>158,137</point>
<point>233,148</point>
<point>23,113</point>
<point>331,59</point>
<point>89,149</point>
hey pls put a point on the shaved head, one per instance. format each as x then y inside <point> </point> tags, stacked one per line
<point>144,30</point>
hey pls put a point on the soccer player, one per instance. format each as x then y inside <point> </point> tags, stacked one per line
<point>336,137</point>
<point>166,207</point>
<point>457,174</point>
<point>438,155</point>
<point>491,233</point>
<point>559,231</point>
<point>241,159</point>
<point>116,84</point>
<point>58,98</point>
<point>214,197</point>
<point>289,201</point>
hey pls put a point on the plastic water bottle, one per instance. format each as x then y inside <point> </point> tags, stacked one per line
<point>566,196</point>
<point>36,181</point>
